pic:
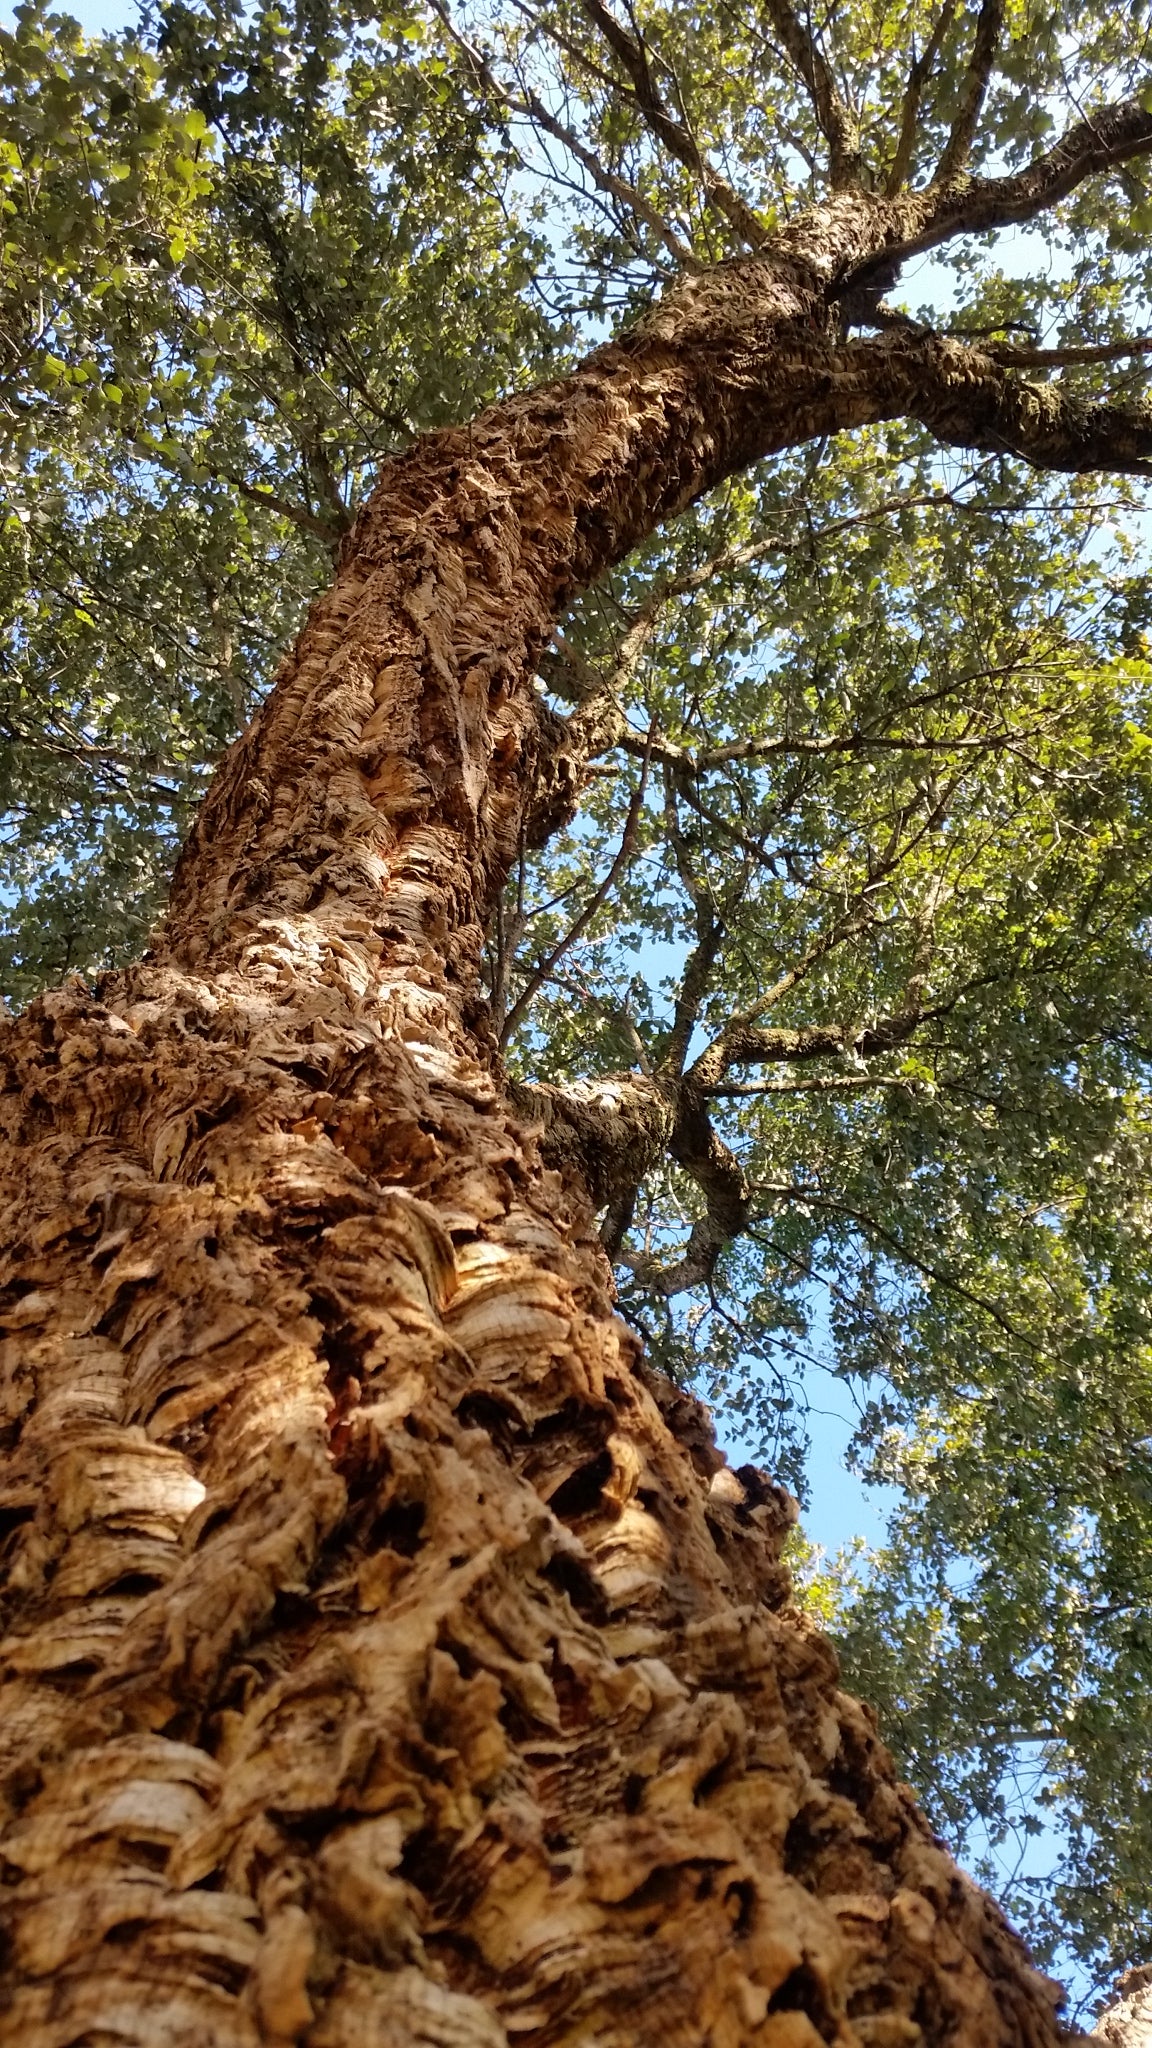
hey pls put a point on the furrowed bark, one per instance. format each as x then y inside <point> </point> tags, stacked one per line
<point>388,1658</point>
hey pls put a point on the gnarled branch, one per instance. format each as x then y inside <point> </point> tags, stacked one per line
<point>1012,355</point>
<point>1110,136</point>
<point>615,1125</point>
<point>1127,2021</point>
<point>967,399</point>
<point>714,1167</point>
<point>762,1044</point>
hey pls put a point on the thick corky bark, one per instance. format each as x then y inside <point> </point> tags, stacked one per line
<point>1127,2021</point>
<point>387,1657</point>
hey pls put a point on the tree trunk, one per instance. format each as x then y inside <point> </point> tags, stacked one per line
<point>389,1657</point>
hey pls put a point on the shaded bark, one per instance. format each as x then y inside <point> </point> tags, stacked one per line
<point>388,1657</point>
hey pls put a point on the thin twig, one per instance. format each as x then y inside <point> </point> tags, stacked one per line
<point>532,108</point>
<point>676,137</point>
<point>796,1192</point>
<point>623,855</point>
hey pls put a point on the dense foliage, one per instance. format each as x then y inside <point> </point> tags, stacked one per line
<point>878,761</point>
<point>243,264</point>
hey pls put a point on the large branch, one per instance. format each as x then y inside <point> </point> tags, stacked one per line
<point>834,117</point>
<point>621,1125</point>
<point>697,1147</point>
<point>1112,135</point>
<point>761,1044</point>
<point>1012,355</point>
<point>958,148</point>
<point>702,1154</point>
<point>727,368</point>
<point>614,1126</point>
<point>1127,2022</point>
<point>968,400</point>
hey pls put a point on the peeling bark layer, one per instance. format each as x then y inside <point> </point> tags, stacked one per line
<point>388,1658</point>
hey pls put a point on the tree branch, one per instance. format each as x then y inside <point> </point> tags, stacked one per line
<point>702,958</point>
<point>697,1147</point>
<point>968,400</point>
<point>534,109</point>
<point>1011,355</point>
<point>964,396</point>
<point>719,1176</point>
<point>744,1038</point>
<point>709,758</point>
<point>918,77</point>
<point>835,119</point>
<point>958,148</point>
<point>1110,136</point>
<point>623,856</point>
<point>764,1044</point>
<point>630,52</point>
<point>600,723</point>
<point>321,529</point>
<point>614,1125</point>
<point>824,1084</point>
<point>1126,2021</point>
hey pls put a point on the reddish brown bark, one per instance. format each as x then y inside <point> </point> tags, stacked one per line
<point>388,1658</point>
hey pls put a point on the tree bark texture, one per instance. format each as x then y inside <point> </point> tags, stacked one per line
<point>388,1657</point>
<point>1127,2021</point>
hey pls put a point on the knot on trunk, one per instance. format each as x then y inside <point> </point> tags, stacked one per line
<point>610,1128</point>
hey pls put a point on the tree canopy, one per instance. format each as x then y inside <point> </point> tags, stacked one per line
<point>863,846</point>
